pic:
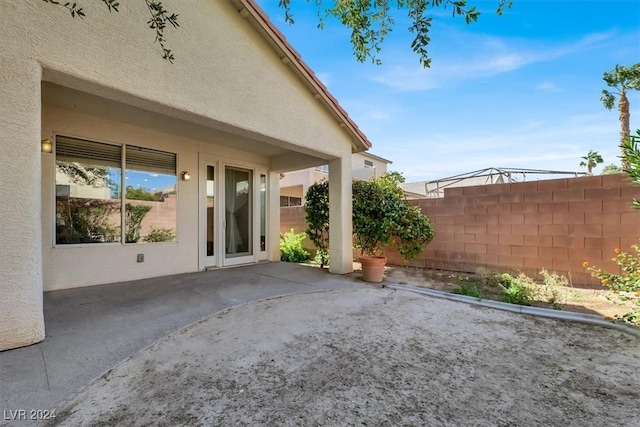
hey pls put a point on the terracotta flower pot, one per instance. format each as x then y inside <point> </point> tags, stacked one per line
<point>373,268</point>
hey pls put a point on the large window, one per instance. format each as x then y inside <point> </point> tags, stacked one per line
<point>91,205</point>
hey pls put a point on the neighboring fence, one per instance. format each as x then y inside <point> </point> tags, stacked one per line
<point>554,224</point>
<point>293,217</point>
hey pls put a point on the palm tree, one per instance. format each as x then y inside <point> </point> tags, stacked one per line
<point>622,79</point>
<point>591,160</point>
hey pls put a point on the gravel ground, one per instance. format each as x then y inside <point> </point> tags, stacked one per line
<point>371,357</point>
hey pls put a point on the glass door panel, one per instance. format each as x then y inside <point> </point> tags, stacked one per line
<point>263,213</point>
<point>210,203</point>
<point>209,216</point>
<point>238,220</point>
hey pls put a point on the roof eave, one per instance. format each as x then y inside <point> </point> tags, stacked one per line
<point>288,55</point>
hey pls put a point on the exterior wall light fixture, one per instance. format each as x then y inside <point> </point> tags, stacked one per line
<point>186,176</point>
<point>46,146</point>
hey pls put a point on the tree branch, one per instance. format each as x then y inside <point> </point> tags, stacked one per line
<point>159,17</point>
<point>158,22</point>
<point>370,21</point>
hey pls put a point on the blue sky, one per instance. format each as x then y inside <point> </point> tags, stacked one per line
<point>521,90</point>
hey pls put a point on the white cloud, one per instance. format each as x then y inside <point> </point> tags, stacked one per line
<point>364,112</point>
<point>548,86</point>
<point>479,56</point>
<point>379,115</point>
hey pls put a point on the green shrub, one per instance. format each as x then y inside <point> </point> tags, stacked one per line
<point>160,235</point>
<point>322,258</point>
<point>381,218</point>
<point>624,285</point>
<point>470,290</point>
<point>139,194</point>
<point>316,208</point>
<point>516,290</point>
<point>134,214</point>
<point>291,249</point>
<point>550,290</point>
<point>87,221</point>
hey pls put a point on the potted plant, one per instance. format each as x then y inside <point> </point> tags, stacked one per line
<point>382,219</point>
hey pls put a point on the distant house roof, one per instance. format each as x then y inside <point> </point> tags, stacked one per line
<point>288,55</point>
<point>373,156</point>
<point>486,176</point>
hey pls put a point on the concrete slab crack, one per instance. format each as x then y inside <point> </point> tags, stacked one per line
<point>287,280</point>
<point>205,296</point>
<point>46,373</point>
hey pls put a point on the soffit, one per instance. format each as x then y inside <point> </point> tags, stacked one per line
<point>85,103</point>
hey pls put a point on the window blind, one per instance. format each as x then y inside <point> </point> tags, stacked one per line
<point>70,149</point>
<point>79,150</point>
<point>148,160</point>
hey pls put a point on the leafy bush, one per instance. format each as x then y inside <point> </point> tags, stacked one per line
<point>134,214</point>
<point>550,290</point>
<point>381,218</point>
<point>139,194</point>
<point>316,208</point>
<point>522,290</point>
<point>160,235</point>
<point>86,221</point>
<point>322,258</point>
<point>516,290</point>
<point>625,286</point>
<point>629,278</point>
<point>291,249</point>
<point>470,290</point>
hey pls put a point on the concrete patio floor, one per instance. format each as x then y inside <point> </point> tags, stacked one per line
<point>89,330</point>
<point>285,344</point>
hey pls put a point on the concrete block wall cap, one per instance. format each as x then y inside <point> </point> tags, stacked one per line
<point>588,319</point>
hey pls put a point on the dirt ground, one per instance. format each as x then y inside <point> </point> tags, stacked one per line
<point>373,357</point>
<point>588,300</point>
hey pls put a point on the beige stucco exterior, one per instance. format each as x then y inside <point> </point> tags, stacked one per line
<point>234,94</point>
<point>364,165</point>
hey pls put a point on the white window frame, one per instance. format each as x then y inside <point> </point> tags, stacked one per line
<point>123,169</point>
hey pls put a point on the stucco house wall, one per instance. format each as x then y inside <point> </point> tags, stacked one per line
<point>364,165</point>
<point>368,165</point>
<point>98,264</point>
<point>236,92</point>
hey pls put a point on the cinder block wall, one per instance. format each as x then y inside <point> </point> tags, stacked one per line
<point>553,224</point>
<point>293,217</point>
<point>525,227</point>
